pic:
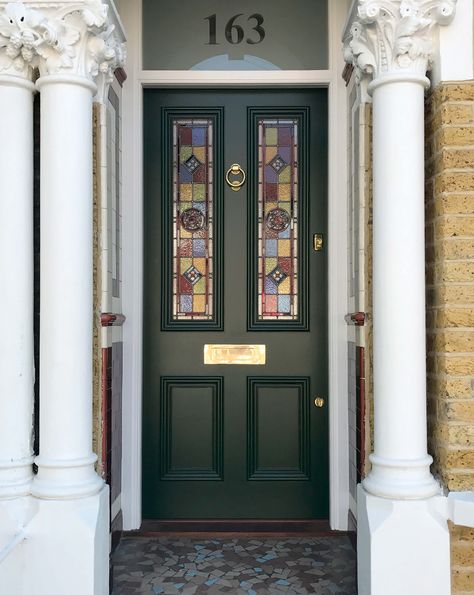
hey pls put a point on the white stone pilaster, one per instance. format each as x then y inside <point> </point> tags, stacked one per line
<point>391,44</point>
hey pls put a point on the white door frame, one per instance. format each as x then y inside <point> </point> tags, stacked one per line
<point>132,242</point>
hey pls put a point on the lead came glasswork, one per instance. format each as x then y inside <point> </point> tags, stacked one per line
<point>193,219</point>
<point>278,219</point>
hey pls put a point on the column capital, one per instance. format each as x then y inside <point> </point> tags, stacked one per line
<point>394,39</point>
<point>71,38</point>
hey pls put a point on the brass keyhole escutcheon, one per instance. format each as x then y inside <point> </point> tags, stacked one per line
<point>319,402</point>
<point>235,170</point>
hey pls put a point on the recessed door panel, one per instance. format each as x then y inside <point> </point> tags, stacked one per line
<point>191,428</point>
<point>278,429</point>
<point>235,339</point>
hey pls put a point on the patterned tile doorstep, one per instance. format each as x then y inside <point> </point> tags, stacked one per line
<point>247,566</point>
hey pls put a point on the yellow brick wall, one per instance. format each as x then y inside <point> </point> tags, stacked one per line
<point>97,351</point>
<point>450,299</point>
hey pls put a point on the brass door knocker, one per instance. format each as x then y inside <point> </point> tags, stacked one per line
<point>235,170</point>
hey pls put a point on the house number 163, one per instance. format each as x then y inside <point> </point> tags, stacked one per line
<point>234,33</point>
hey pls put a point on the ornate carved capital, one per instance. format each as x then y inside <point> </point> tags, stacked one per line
<point>76,38</point>
<point>386,37</point>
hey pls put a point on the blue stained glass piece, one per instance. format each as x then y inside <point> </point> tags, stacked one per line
<point>270,175</point>
<point>284,304</point>
<point>271,248</point>
<point>186,303</point>
<point>199,248</point>
<point>270,286</point>
<point>199,136</point>
<point>201,206</point>
<point>184,174</point>
<point>285,154</point>
<point>286,233</point>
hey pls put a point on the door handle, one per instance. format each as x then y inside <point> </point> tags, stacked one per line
<point>319,402</point>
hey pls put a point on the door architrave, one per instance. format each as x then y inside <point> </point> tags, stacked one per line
<point>132,244</point>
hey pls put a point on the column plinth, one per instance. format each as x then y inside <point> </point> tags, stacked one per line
<point>16,282</point>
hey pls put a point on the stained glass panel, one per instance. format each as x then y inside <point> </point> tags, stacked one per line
<point>193,204</point>
<point>278,226</point>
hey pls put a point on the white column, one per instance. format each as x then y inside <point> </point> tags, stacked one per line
<point>402,522</point>
<point>400,463</point>
<point>16,285</point>
<point>66,461</point>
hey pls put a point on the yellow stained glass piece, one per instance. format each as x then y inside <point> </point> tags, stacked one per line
<point>199,192</point>
<point>284,248</point>
<point>186,191</point>
<point>199,303</point>
<point>200,264</point>
<point>200,153</point>
<point>284,287</point>
<point>270,264</point>
<point>284,191</point>
<point>270,153</point>
<point>200,287</point>
<point>285,176</point>
<point>271,136</point>
<point>185,263</point>
<point>185,153</point>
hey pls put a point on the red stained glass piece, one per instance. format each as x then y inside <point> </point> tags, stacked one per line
<point>284,264</point>
<point>185,136</point>
<point>199,175</point>
<point>271,192</point>
<point>186,248</point>
<point>271,304</point>
<point>185,286</point>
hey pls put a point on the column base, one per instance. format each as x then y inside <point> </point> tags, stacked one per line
<point>65,550</point>
<point>66,479</point>
<point>401,479</point>
<point>402,546</point>
<point>15,478</point>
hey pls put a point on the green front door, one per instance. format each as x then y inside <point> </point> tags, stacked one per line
<point>235,312</point>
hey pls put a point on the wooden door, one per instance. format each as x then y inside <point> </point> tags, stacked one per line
<point>234,267</point>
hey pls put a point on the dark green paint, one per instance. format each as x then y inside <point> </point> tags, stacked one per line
<point>274,470</point>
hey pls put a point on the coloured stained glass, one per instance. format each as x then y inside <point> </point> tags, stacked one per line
<point>192,219</point>
<point>278,219</point>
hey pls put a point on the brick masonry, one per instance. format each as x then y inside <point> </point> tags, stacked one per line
<point>450,297</point>
<point>97,351</point>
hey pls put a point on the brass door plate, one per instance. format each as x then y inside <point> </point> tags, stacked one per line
<point>244,355</point>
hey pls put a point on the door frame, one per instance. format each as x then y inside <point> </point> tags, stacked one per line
<point>132,244</point>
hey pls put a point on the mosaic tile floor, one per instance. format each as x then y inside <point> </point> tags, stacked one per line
<point>185,565</point>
